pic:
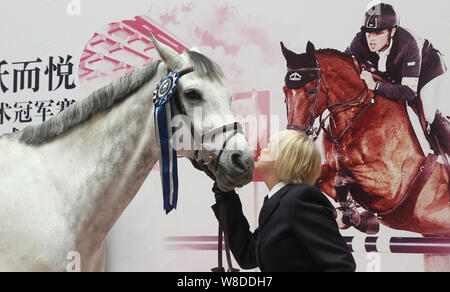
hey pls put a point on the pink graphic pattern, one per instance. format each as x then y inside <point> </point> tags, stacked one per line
<point>121,48</point>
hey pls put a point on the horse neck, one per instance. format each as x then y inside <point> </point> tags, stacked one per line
<point>345,86</point>
<point>342,78</point>
<point>117,150</point>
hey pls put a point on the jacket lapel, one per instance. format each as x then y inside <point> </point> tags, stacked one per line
<point>271,204</point>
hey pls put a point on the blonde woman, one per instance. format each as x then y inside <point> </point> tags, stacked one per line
<point>297,230</point>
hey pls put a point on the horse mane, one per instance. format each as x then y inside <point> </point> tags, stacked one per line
<point>333,51</point>
<point>105,98</point>
<point>344,56</point>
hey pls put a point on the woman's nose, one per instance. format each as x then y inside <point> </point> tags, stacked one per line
<point>265,151</point>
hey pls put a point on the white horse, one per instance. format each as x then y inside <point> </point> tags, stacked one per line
<point>65,183</point>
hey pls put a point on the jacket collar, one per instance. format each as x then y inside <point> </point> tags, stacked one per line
<point>271,204</point>
<point>276,188</point>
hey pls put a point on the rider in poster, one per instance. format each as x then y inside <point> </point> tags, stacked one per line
<point>411,64</point>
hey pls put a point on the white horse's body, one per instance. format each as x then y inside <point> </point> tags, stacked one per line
<point>65,194</point>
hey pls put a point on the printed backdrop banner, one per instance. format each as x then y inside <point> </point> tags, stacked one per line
<point>54,53</point>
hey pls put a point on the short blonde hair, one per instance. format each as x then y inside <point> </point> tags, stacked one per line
<point>297,158</point>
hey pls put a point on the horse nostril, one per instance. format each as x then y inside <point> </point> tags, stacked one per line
<point>238,162</point>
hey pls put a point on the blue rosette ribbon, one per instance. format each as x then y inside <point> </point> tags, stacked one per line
<point>163,115</point>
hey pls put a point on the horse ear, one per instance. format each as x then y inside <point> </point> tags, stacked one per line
<point>288,54</point>
<point>195,49</point>
<point>310,49</point>
<point>169,56</point>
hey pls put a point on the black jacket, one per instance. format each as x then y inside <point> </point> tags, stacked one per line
<point>297,233</point>
<point>410,56</point>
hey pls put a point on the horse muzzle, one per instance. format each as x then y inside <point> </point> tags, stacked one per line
<point>235,169</point>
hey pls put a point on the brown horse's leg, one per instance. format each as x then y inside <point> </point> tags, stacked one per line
<point>326,181</point>
<point>342,184</point>
<point>365,222</point>
<point>326,184</point>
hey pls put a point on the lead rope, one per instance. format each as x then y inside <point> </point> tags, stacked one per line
<point>223,223</point>
<point>219,268</point>
<point>227,241</point>
<point>223,234</point>
<point>223,226</point>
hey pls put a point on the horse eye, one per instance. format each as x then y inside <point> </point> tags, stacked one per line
<point>312,92</point>
<point>193,94</point>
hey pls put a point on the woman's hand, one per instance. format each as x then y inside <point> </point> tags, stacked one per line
<point>219,194</point>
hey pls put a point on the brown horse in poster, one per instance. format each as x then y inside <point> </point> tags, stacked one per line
<point>371,152</point>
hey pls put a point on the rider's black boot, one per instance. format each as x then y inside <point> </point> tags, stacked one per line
<point>440,128</point>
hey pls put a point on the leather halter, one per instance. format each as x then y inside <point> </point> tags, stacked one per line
<point>236,128</point>
<point>203,166</point>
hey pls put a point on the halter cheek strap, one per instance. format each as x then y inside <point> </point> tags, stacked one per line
<point>179,105</point>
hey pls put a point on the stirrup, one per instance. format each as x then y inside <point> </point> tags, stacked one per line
<point>440,133</point>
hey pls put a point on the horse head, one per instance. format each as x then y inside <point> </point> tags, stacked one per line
<point>210,137</point>
<point>305,97</point>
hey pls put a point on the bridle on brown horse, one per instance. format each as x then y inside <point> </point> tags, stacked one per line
<point>201,165</point>
<point>348,206</point>
<point>332,108</point>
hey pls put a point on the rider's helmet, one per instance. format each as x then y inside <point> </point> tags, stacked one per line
<point>380,17</point>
